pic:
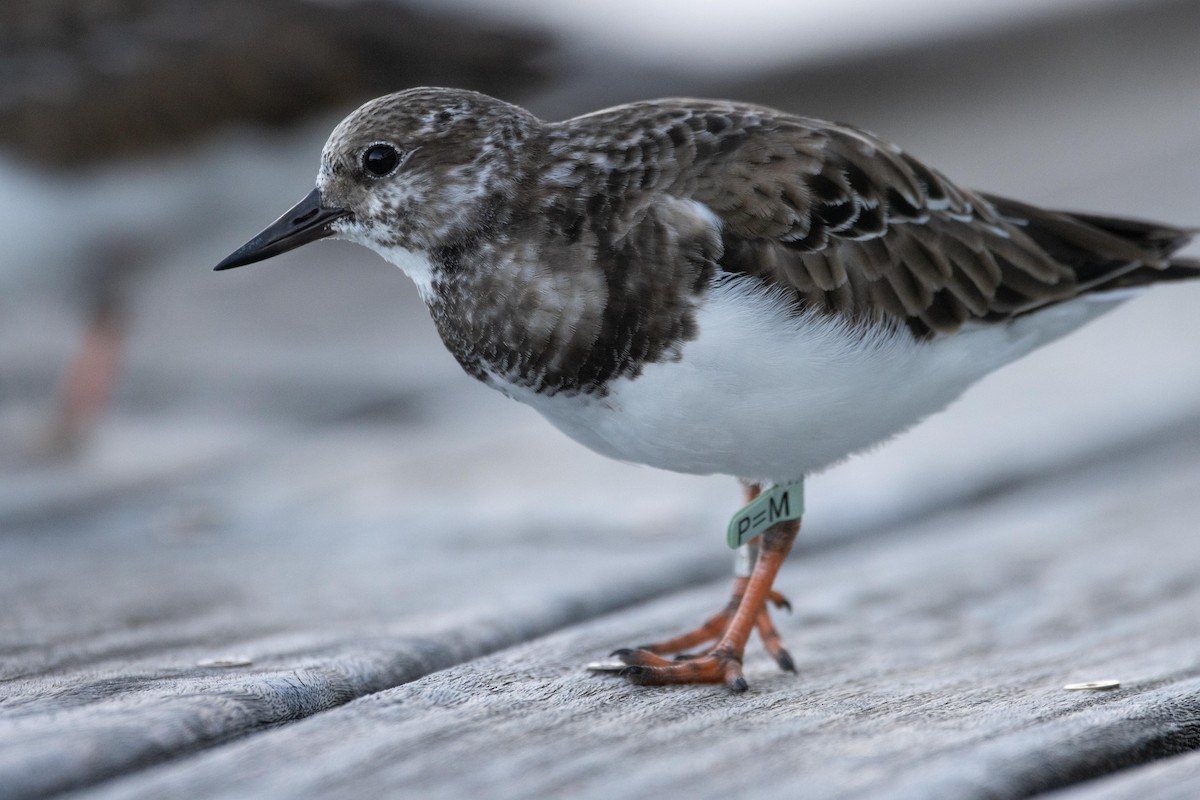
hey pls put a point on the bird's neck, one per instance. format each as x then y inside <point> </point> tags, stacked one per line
<point>524,308</point>
<point>506,318</point>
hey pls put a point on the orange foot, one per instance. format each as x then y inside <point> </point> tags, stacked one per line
<point>711,631</point>
<point>721,662</point>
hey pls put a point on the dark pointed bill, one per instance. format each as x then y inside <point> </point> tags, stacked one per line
<point>304,222</point>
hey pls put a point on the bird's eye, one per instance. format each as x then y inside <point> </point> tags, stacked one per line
<point>380,159</point>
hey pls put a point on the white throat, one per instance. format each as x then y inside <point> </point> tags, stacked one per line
<point>415,264</point>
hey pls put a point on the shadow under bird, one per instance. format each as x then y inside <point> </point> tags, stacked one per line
<point>711,287</point>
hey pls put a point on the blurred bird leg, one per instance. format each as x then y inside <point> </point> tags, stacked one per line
<point>106,281</point>
<point>89,379</point>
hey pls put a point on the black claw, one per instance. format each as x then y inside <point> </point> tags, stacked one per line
<point>785,662</point>
<point>785,604</point>
<point>632,673</point>
<point>739,685</point>
<point>621,652</point>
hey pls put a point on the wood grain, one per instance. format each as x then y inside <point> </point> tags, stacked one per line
<point>931,663</point>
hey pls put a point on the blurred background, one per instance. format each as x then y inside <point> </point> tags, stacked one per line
<point>142,141</point>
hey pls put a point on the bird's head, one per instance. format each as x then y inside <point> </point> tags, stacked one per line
<point>405,174</point>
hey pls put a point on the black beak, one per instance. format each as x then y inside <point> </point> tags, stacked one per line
<point>305,222</point>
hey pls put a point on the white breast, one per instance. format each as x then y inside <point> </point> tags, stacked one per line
<point>763,395</point>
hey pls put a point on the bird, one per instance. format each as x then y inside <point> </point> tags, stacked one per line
<point>711,287</point>
<point>125,82</point>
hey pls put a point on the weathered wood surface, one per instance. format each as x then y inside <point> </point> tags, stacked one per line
<point>110,614</point>
<point>1176,778</point>
<point>931,663</point>
<point>318,490</point>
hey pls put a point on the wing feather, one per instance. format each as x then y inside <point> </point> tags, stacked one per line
<point>857,227</point>
<point>854,226</point>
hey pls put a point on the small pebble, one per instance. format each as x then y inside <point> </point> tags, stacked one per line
<point>226,663</point>
<point>1092,686</point>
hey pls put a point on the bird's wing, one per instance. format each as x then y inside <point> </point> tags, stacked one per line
<point>847,222</point>
<point>857,227</point>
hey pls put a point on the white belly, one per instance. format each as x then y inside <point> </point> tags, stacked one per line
<point>768,397</point>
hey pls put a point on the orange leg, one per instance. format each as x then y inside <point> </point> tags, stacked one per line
<point>89,380</point>
<point>747,611</point>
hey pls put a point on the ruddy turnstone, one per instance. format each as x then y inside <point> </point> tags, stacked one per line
<point>710,287</point>
<point>130,77</point>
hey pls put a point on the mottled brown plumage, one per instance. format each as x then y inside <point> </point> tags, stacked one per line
<point>851,224</point>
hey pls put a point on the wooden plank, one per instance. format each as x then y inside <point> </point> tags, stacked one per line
<point>113,614</point>
<point>1175,778</point>
<point>931,663</point>
<point>331,581</point>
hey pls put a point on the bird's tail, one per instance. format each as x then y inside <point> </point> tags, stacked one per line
<point>1106,253</point>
